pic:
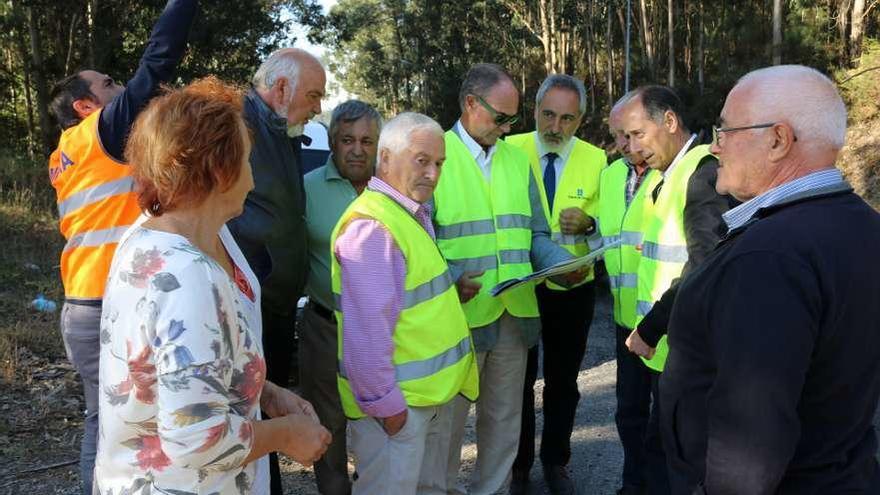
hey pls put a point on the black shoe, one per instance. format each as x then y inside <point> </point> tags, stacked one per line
<point>519,483</point>
<point>558,480</point>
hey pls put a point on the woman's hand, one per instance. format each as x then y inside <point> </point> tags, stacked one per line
<point>277,401</point>
<point>305,440</point>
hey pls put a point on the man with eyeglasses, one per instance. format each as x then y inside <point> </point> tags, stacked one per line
<point>491,227</point>
<point>774,374</point>
<point>567,172</point>
<point>677,236</point>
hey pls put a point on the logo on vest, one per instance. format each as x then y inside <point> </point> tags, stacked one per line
<point>579,194</point>
<point>66,163</point>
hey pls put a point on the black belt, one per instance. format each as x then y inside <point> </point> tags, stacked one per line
<point>322,311</point>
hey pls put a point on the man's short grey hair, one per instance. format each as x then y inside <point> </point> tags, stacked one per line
<point>480,79</point>
<point>563,81</point>
<point>800,96</point>
<point>397,131</point>
<point>352,111</point>
<point>278,64</point>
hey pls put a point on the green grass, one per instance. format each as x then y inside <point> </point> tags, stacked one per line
<point>28,265</point>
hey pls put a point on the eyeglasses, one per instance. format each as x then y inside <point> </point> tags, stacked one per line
<point>718,130</point>
<point>499,117</point>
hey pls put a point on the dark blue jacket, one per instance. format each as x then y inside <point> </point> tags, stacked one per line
<point>773,374</point>
<point>164,50</point>
<point>272,229</point>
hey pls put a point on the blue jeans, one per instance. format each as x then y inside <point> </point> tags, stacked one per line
<point>80,330</point>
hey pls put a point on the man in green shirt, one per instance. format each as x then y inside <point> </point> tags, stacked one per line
<point>354,134</point>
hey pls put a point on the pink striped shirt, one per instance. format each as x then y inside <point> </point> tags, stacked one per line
<point>373,272</point>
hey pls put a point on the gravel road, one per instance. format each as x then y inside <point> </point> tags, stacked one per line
<point>596,453</point>
<point>597,457</point>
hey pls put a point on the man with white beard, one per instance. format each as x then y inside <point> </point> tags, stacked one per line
<point>286,93</point>
<point>567,170</point>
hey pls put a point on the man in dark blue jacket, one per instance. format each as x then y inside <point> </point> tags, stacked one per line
<point>773,373</point>
<point>287,92</point>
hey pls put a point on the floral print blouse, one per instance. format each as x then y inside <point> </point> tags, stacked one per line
<point>181,370</point>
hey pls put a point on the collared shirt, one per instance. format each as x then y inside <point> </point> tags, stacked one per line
<point>633,180</point>
<point>561,160</point>
<point>374,270</point>
<point>738,216</point>
<point>544,252</point>
<point>683,151</point>
<point>328,194</point>
<point>481,155</point>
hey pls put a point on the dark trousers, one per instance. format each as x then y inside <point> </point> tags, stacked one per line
<point>278,349</point>
<point>657,472</point>
<point>317,351</point>
<point>565,324</point>
<point>638,425</point>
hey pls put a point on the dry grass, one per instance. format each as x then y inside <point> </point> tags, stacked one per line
<point>860,160</point>
<point>28,265</point>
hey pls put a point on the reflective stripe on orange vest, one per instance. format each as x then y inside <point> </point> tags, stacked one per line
<point>96,205</point>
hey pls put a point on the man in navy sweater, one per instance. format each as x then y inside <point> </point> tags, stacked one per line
<point>773,373</point>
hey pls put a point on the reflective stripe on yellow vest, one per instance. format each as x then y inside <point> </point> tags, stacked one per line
<point>96,205</point>
<point>433,354</point>
<point>578,187</point>
<point>487,226</point>
<point>617,222</point>
<point>664,248</point>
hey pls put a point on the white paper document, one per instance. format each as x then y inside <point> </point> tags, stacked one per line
<point>557,269</point>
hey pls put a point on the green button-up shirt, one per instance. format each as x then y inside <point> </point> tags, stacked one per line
<point>328,194</point>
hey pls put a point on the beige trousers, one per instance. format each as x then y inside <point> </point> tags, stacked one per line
<point>499,411</point>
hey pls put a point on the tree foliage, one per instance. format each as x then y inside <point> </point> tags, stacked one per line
<point>228,39</point>
<point>411,54</point>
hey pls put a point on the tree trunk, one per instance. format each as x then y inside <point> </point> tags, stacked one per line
<point>688,53</point>
<point>91,10</point>
<point>647,38</point>
<point>46,133</point>
<point>777,32</point>
<point>843,9</point>
<point>554,38</point>
<point>546,37</point>
<point>609,80</point>
<point>591,58</point>
<point>70,42</point>
<point>701,62</point>
<point>671,35</point>
<point>857,31</point>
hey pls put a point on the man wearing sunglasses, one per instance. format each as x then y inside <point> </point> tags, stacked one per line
<point>774,374</point>
<point>567,171</point>
<point>677,235</point>
<point>491,227</point>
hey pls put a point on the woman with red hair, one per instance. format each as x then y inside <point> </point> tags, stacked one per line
<point>182,375</point>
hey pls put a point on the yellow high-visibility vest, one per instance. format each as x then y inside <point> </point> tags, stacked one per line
<point>664,248</point>
<point>486,225</point>
<point>626,224</point>
<point>578,187</point>
<point>433,353</point>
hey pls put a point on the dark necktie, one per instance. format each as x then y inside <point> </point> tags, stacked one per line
<point>550,179</point>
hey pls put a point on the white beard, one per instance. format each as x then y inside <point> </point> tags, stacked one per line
<point>295,130</point>
<point>551,147</point>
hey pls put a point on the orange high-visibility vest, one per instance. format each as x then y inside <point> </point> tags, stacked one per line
<point>96,205</point>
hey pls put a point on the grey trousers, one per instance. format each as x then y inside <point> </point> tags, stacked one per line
<point>317,365</point>
<point>80,330</point>
<point>499,414</point>
<point>413,461</point>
